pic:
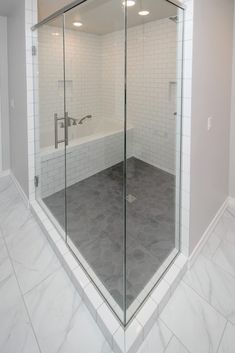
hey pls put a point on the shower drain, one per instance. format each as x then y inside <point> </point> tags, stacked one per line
<point>130,198</point>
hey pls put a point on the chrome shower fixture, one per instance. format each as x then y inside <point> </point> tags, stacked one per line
<point>174,19</point>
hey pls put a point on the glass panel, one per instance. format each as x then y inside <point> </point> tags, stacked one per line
<point>94,58</point>
<point>154,49</point>
<point>49,120</point>
<point>108,79</point>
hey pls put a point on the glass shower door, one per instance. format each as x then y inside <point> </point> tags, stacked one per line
<point>108,81</point>
<point>153,156</point>
<point>95,86</point>
<point>50,122</point>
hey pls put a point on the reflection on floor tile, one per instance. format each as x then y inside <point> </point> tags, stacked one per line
<point>193,321</point>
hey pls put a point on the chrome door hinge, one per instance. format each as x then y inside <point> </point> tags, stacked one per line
<point>34,50</point>
<point>36,181</point>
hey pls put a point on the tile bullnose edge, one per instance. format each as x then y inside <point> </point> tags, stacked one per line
<point>107,322</point>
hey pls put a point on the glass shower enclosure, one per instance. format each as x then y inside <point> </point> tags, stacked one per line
<point>108,79</point>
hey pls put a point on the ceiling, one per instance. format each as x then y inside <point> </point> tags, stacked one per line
<point>105,16</point>
<point>6,6</point>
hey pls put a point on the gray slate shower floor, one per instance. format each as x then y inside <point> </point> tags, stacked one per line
<point>96,221</point>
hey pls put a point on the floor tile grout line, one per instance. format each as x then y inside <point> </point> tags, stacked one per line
<point>52,273</point>
<point>173,333</point>
<point>167,346</point>
<point>205,301</point>
<point>42,281</point>
<point>23,299</point>
<point>218,312</point>
<point>213,261</point>
<point>221,339</point>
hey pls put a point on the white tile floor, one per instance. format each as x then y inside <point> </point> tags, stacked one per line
<point>40,310</point>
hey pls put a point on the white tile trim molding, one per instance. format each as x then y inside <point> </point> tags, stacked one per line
<point>231,202</point>
<point>20,190</point>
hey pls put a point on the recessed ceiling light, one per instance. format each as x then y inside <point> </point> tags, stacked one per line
<point>128,3</point>
<point>55,34</point>
<point>77,24</point>
<point>144,13</point>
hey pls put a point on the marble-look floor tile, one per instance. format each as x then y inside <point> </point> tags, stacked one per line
<point>32,256</point>
<point>17,215</point>
<point>211,245</point>
<point>175,346</point>
<point>5,183</point>
<point>9,290</point>
<point>198,326</point>
<point>16,334</point>
<point>215,285</point>
<point>3,250</point>
<point>225,229</point>
<point>227,344</point>
<point>157,340</point>
<point>60,319</point>
<point>9,197</point>
<point>225,257</point>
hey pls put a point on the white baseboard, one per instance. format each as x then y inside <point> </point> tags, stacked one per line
<point>21,191</point>
<point>207,233</point>
<point>4,173</point>
<point>231,201</point>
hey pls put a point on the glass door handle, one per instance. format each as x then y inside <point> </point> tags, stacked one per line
<point>56,120</point>
<point>66,128</point>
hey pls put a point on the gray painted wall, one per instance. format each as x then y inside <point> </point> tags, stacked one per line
<point>4,95</point>
<point>232,133</point>
<point>18,94</point>
<point>211,92</point>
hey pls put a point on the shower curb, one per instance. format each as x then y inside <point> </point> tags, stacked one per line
<point>121,340</point>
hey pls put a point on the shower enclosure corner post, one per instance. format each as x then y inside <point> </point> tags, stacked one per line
<point>125,170</point>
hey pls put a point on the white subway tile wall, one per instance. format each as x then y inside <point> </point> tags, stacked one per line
<point>82,161</point>
<point>95,85</point>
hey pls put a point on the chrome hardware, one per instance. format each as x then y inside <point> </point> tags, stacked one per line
<point>80,122</point>
<point>65,126</point>
<point>36,181</point>
<point>75,122</point>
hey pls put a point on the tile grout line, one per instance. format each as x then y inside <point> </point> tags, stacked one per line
<point>222,336</point>
<point>218,312</point>
<point>173,335</point>
<point>168,344</point>
<point>205,301</point>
